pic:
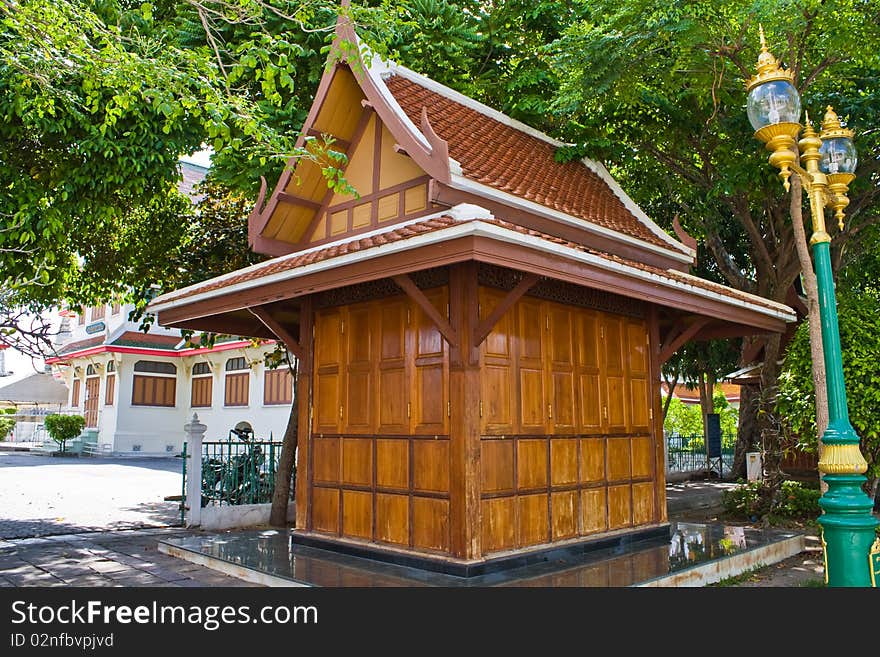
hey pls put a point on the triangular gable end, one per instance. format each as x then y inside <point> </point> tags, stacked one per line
<point>402,171</point>
<point>388,168</point>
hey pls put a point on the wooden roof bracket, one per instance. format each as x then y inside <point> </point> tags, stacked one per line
<point>405,283</point>
<point>482,330</point>
<point>679,334</point>
<point>278,330</point>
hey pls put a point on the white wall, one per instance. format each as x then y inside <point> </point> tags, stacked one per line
<point>153,428</point>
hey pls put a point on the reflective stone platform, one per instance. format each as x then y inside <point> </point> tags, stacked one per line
<point>691,555</point>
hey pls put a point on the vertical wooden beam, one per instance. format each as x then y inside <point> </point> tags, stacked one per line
<point>464,425</point>
<point>304,395</point>
<point>657,436</point>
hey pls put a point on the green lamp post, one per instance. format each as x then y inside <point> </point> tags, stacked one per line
<point>774,107</point>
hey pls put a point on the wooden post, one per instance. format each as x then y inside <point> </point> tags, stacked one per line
<point>464,425</point>
<point>304,395</point>
<point>654,364</point>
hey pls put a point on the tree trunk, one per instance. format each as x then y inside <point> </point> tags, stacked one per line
<point>769,428</point>
<point>284,471</point>
<point>811,289</point>
<point>747,429</point>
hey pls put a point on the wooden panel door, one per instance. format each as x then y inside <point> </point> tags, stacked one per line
<point>561,405</point>
<point>392,389</point>
<point>429,394</point>
<point>533,402</point>
<point>358,413</point>
<point>637,369</point>
<point>93,383</point>
<point>498,374</point>
<point>328,371</point>
<point>589,390</point>
<point>614,397</point>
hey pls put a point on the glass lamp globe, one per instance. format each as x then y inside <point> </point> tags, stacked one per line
<point>838,155</point>
<point>776,101</point>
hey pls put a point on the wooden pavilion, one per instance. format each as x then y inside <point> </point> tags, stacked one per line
<point>479,332</point>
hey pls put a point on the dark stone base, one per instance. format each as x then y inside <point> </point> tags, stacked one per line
<point>461,568</point>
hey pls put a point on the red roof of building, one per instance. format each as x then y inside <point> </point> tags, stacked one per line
<point>511,160</point>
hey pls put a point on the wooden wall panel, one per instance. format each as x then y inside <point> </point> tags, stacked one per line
<point>643,503</point>
<point>326,460</point>
<point>429,400</point>
<point>358,412</point>
<point>532,519</point>
<point>327,402</point>
<point>499,524</point>
<point>430,523</point>
<point>562,408</point>
<point>357,514</point>
<point>430,364</point>
<point>431,465</point>
<point>619,506</point>
<point>564,513</point>
<point>533,402</point>
<point>325,510</point>
<point>533,407</point>
<point>594,511</point>
<point>614,393</point>
<point>328,372</point>
<point>638,407</point>
<point>498,380</point>
<point>588,368</point>
<point>592,460</point>
<point>497,394</point>
<point>563,461</point>
<point>393,380</point>
<point>642,457</point>
<point>531,463</point>
<point>496,460</point>
<point>392,518</point>
<point>619,459</point>
<point>392,463</point>
<point>357,461</point>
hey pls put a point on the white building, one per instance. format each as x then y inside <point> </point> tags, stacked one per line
<point>139,389</point>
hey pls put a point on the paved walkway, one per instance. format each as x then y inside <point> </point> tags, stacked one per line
<point>41,495</point>
<point>115,558</point>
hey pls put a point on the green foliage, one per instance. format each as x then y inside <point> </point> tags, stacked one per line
<point>100,100</point>
<point>64,427</point>
<point>859,322</point>
<point>7,424</point>
<point>10,411</point>
<point>687,419</point>
<point>795,501</point>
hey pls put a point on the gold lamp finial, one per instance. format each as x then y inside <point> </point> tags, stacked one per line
<point>768,66</point>
<point>830,121</point>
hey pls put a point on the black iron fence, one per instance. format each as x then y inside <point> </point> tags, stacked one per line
<point>689,454</point>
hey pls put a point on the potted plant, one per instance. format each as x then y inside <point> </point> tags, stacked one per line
<point>64,427</point>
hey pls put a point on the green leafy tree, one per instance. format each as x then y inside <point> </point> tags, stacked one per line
<point>7,424</point>
<point>62,428</point>
<point>859,320</point>
<point>100,100</point>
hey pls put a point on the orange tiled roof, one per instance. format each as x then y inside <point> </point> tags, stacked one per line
<point>397,234</point>
<point>81,344</point>
<point>510,160</point>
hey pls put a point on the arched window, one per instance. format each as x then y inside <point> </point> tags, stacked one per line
<point>155,383</point>
<point>237,382</point>
<point>202,386</point>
